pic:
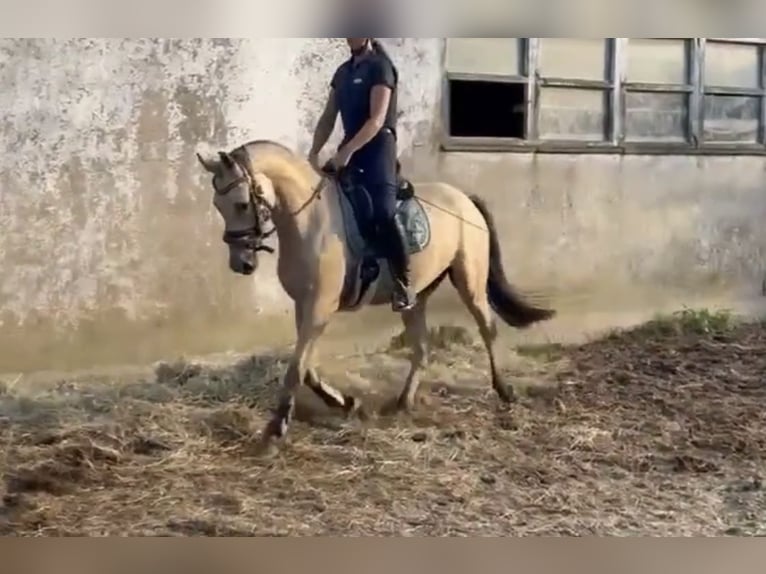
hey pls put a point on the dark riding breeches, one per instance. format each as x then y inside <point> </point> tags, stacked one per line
<point>375,171</point>
<point>383,197</point>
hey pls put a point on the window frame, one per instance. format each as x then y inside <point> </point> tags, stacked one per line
<point>686,88</point>
<point>759,92</point>
<point>616,86</point>
<point>523,78</point>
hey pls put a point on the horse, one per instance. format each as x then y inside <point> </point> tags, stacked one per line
<point>328,261</point>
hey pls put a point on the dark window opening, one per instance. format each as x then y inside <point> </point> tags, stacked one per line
<point>481,109</point>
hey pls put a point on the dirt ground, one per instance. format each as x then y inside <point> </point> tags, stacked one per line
<point>655,431</point>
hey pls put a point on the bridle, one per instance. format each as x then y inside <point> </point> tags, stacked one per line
<point>253,237</point>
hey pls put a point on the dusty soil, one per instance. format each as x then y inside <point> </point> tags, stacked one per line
<point>656,431</point>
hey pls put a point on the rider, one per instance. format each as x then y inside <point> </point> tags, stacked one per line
<point>364,92</point>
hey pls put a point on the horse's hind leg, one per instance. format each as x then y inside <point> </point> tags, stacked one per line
<point>416,333</point>
<point>471,284</point>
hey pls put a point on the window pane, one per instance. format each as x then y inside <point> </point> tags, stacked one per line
<point>656,117</point>
<point>573,58</point>
<point>487,109</point>
<point>732,118</point>
<point>570,113</point>
<point>657,61</point>
<point>498,56</point>
<point>732,65</point>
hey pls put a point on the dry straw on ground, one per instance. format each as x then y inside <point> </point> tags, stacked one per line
<point>656,431</point>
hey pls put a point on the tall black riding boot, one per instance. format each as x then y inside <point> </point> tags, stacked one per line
<point>403,297</point>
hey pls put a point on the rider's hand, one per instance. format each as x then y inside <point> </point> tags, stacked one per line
<point>341,159</point>
<point>314,161</point>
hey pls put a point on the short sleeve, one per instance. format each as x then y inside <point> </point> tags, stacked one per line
<point>382,73</point>
<point>337,77</point>
<point>334,80</point>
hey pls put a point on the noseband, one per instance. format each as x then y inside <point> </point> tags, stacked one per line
<point>253,237</point>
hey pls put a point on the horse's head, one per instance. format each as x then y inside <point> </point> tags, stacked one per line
<point>244,200</point>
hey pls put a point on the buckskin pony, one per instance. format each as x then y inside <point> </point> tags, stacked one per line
<point>328,264</point>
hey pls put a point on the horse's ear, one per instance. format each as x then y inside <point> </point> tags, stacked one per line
<point>210,164</point>
<point>226,159</point>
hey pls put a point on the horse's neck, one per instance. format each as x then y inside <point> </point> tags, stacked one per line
<point>297,188</point>
<point>295,184</point>
<point>296,197</point>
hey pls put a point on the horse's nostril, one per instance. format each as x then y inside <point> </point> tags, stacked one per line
<point>248,267</point>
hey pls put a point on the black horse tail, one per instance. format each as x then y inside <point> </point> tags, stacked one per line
<point>504,299</point>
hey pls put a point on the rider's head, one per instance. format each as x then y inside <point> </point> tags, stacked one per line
<point>358,45</point>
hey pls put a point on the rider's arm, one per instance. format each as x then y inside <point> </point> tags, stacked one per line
<point>326,124</point>
<point>380,96</point>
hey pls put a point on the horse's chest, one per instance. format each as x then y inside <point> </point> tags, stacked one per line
<point>289,277</point>
<point>296,273</point>
<point>323,263</point>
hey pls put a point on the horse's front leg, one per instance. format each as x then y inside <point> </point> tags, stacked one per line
<point>331,396</point>
<point>312,320</point>
<point>328,394</point>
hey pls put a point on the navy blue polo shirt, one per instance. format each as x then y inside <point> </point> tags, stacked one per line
<point>353,83</point>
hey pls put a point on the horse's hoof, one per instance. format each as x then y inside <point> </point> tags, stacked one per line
<point>264,448</point>
<point>353,407</point>
<point>274,431</point>
<point>362,414</point>
<point>506,393</point>
<point>404,406</point>
<point>390,407</point>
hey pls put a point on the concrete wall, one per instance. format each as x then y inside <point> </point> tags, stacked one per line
<point>110,250</point>
<point>626,227</point>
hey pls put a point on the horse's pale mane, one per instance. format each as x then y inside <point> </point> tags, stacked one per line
<point>269,144</point>
<point>280,160</point>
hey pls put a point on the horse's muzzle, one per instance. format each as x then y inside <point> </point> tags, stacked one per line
<point>243,261</point>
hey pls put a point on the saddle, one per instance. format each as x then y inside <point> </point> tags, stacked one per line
<point>361,203</point>
<point>364,245</point>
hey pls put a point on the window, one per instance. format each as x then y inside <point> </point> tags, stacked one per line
<point>732,95</point>
<point>574,85</point>
<point>656,88</point>
<point>732,65</point>
<point>573,58</point>
<point>499,115</point>
<point>487,87</point>
<point>489,56</point>
<point>643,95</point>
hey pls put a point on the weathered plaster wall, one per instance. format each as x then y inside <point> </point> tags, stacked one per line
<point>110,250</point>
<point>587,227</point>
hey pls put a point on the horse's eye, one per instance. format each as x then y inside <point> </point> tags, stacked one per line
<point>242,206</point>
